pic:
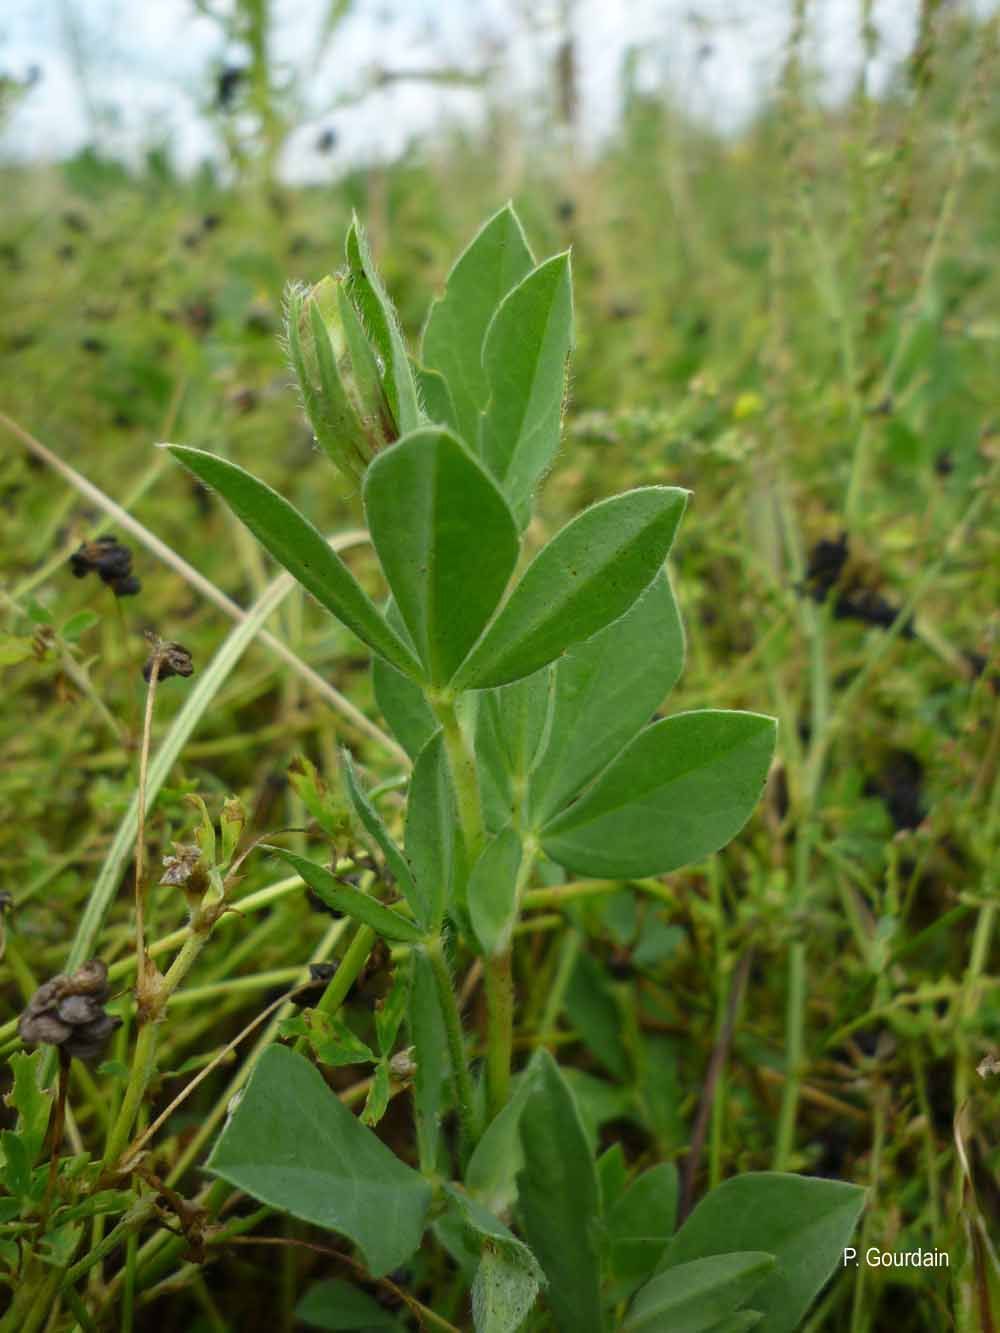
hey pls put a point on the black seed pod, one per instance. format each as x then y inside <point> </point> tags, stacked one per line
<point>68,1012</point>
<point>110,561</point>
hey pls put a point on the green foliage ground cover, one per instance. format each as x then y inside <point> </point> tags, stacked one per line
<point>800,327</point>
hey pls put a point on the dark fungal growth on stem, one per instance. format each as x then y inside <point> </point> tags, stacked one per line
<point>110,561</point>
<point>68,1012</point>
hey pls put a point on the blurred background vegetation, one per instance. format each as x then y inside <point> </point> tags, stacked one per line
<point>789,306</point>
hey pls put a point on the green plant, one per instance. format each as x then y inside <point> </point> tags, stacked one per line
<point>521,691</point>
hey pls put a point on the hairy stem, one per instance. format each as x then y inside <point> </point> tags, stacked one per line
<point>465,779</point>
<point>462,1079</point>
<point>500,1030</point>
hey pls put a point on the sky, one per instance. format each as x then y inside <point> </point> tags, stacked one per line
<point>143,69</point>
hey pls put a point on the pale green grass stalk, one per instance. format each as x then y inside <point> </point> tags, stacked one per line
<point>208,589</point>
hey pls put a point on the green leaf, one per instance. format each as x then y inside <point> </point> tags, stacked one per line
<point>525,354</point>
<point>642,1221</point>
<point>295,543</point>
<point>585,578</point>
<point>15,648</point>
<point>432,831</point>
<point>58,1246</point>
<point>78,624</point>
<point>401,700</point>
<point>498,1157</point>
<point>660,1093</point>
<point>495,261</point>
<point>594,1012</point>
<point>352,902</point>
<point>503,1290</point>
<point>611,1176</point>
<point>376,828</point>
<point>382,324</point>
<point>435,396</point>
<point>492,891</point>
<point>598,1102</point>
<point>16,1164</point>
<point>446,540</point>
<point>377,1101</point>
<point>604,692</point>
<point>508,1277</point>
<point>694,1296</point>
<point>336,1306</point>
<point>559,1202</point>
<point>510,723</point>
<point>105,1201</point>
<point>680,791</point>
<point>293,1145</point>
<point>332,1041</point>
<point>739,1322</point>
<point>330,814</point>
<point>391,1010</point>
<point>803,1221</point>
<point>29,1101</point>
<point>427,1033</point>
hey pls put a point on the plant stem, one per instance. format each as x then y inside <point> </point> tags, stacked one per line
<point>39,1310</point>
<point>465,779</point>
<point>500,1000</point>
<point>464,1093</point>
<point>24,1295</point>
<point>58,1128</point>
<point>568,954</point>
<point>348,970</point>
<point>209,1123</point>
<point>795,1009</point>
<point>141,961</point>
<point>499,983</point>
<point>143,1062</point>
<point>135,1218</point>
<point>814,621</point>
<point>207,588</point>
<point>79,1311</point>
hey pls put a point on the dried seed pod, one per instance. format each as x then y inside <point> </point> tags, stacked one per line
<point>870,607</point>
<point>110,561</point>
<point>184,869</point>
<point>403,1065</point>
<point>826,564</point>
<point>68,1012</point>
<point>170,659</point>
